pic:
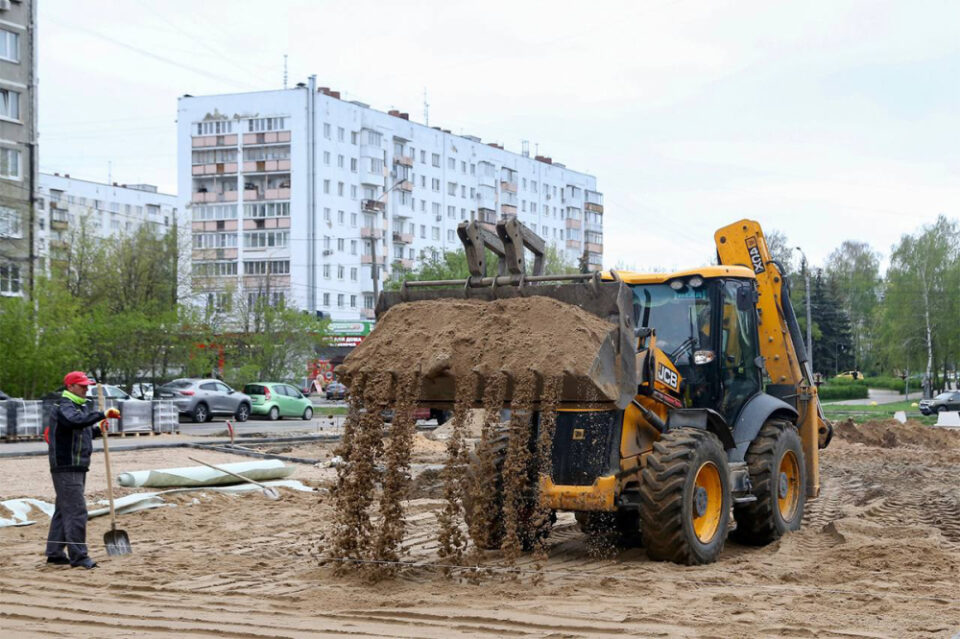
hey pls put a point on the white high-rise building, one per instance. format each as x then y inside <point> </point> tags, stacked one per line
<point>67,206</point>
<point>295,194</point>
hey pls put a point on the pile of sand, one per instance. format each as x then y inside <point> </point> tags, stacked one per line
<point>452,337</point>
<point>890,434</point>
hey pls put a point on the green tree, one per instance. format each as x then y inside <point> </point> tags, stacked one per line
<point>853,269</point>
<point>920,305</point>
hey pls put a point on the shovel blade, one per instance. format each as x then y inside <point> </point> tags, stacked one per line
<point>117,542</point>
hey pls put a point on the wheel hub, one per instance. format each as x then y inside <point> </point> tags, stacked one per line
<point>700,501</point>
<point>783,486</point>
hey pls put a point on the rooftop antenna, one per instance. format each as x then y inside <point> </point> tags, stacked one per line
<point>284,70</point>
<point>526,148</point>
<point>536,148</point>
<point>109,171</point>
<point>426,108</point>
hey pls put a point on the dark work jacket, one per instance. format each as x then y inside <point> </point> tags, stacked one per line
<point>71,436</point>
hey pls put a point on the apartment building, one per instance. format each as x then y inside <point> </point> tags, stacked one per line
<point>68,208</point>
<point>300,195</point>
<point>18,149</point>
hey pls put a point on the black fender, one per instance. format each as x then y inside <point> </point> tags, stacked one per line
<point>755,412</point>
<point>704,419</point>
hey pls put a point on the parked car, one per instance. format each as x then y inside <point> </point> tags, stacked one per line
<point>420,413</point>
<point>142,390</point>
<point>851,375</point>
<point>109,392</point>
<point>276,400</point>
<point>200,399</point>
<point>336,390</point>
<point>949,400</point>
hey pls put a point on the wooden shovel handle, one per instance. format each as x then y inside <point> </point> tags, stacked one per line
<point>106,458</point>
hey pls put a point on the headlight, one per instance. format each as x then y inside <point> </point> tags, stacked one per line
<point>696,281</point>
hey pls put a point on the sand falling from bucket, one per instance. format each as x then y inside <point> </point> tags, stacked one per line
<point>451,538</point>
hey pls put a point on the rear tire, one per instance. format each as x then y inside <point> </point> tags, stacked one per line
<point>779,479</point>
<point>685,497</point>
<point>243,412</point>
<point>308,414</point>
<point>274,414</point>
<point>201,413</point>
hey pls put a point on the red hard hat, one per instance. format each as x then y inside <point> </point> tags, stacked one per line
<point>77,377</point>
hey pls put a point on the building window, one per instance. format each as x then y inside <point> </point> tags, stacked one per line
<point>449,235</point>
<point>10,223</point>
<point>10,283</point>
<point>353,273</point>
<point>326,275</point>
<point>435,184</point>
<point>326,158</point>
<point>353,137</point>
<point>340,217</point>
<point>9,45</point>
<point>339,161</point>
<point>267,209</point>
<point>452,212</point>
<point>452,164</point>
<point>353,301</point>
<point>353,165</point>
<point>258,125</point>
<point>326,187</point>
<point>340,243</point>
<point>326,299</point>
<point>326,130</point>
<point>9,104</point>
<point>340,189</point>
<point>435,233</point>
<point>353,247</point>
<point>265,239</point>
<point>340,271</point>
<point>10,163</point>
<point>353,191</point>
<point>436,160</point>
<point>214,269</point>
<point>339,300</point>
<point>214,127</point>
<point>340,134</point>
<point>451,188</point>
<point>266,267</point>
<point>353,220</point>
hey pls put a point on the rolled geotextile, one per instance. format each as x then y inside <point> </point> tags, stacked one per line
<point>202,476</point>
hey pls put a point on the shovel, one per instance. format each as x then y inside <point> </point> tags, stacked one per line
<point>116,541</point>
<point>268,491</point>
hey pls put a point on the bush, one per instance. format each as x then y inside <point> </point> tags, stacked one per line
<point>847,390</point>
<point>889,383</point>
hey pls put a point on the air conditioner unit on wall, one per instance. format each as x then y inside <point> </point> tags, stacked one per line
<point>4,5</point>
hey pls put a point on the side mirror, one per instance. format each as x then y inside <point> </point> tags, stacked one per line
<point>747,297</point>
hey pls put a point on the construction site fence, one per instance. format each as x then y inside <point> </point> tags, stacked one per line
<point>27,419</point>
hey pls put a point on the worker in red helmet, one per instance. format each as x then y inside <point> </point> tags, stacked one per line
<point>70,444</point>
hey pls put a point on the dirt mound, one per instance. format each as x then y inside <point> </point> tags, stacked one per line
<point>454,338</point>
<point>890,433</point>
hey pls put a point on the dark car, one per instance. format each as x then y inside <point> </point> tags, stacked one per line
<point>949,400</point>
<point>336,390</point>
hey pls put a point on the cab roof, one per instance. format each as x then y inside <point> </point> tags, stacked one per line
<point>706,272</point>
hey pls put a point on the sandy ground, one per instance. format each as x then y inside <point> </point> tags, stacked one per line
<point>879,556</point>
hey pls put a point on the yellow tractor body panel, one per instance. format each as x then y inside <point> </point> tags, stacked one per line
<point>706,272</point>
<point>600,496</point>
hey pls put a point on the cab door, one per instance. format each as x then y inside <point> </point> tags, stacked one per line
<point>740,374</point>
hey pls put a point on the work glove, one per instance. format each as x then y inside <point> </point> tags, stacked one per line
<point>113,413</point>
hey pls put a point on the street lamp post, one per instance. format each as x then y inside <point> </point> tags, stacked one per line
<point>806,279</point>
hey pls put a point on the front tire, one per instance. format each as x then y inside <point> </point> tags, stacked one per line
<point>779,478</point>
<point>685,497</point>
<point>308,414</point>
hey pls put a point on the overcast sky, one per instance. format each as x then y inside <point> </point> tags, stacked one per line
<point>826,120</point>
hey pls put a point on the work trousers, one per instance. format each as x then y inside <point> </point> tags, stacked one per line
<point>68,527</point>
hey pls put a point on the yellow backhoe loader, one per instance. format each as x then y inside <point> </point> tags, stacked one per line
<point>698,417</point>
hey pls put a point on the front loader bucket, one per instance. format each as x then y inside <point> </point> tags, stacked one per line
<point>582,331</point>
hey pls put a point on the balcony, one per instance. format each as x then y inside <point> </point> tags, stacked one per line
<point>268,137</point>
<point>367,313</point>
<point>595,248</point>
<point>508,210</point>
<point>573,244</point>
<point>215,254</point>
<point>402,238</point>
<point>205,141</point>
<point>210,196</point>
<point>374,206</point>
<point>572,223</point>
<point>368,259</point>
<point>405,185</point>
<point>404,263</point>
<point>219,168</point>
<point>595,227</point>
<point>590,206</point>
<point>277,194</point>
<point>486,215</point>
<point>59,222</point>
<point>266,166</point>
<point>369,233</point>
<point>403,160</point>
<point>510,187</point>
